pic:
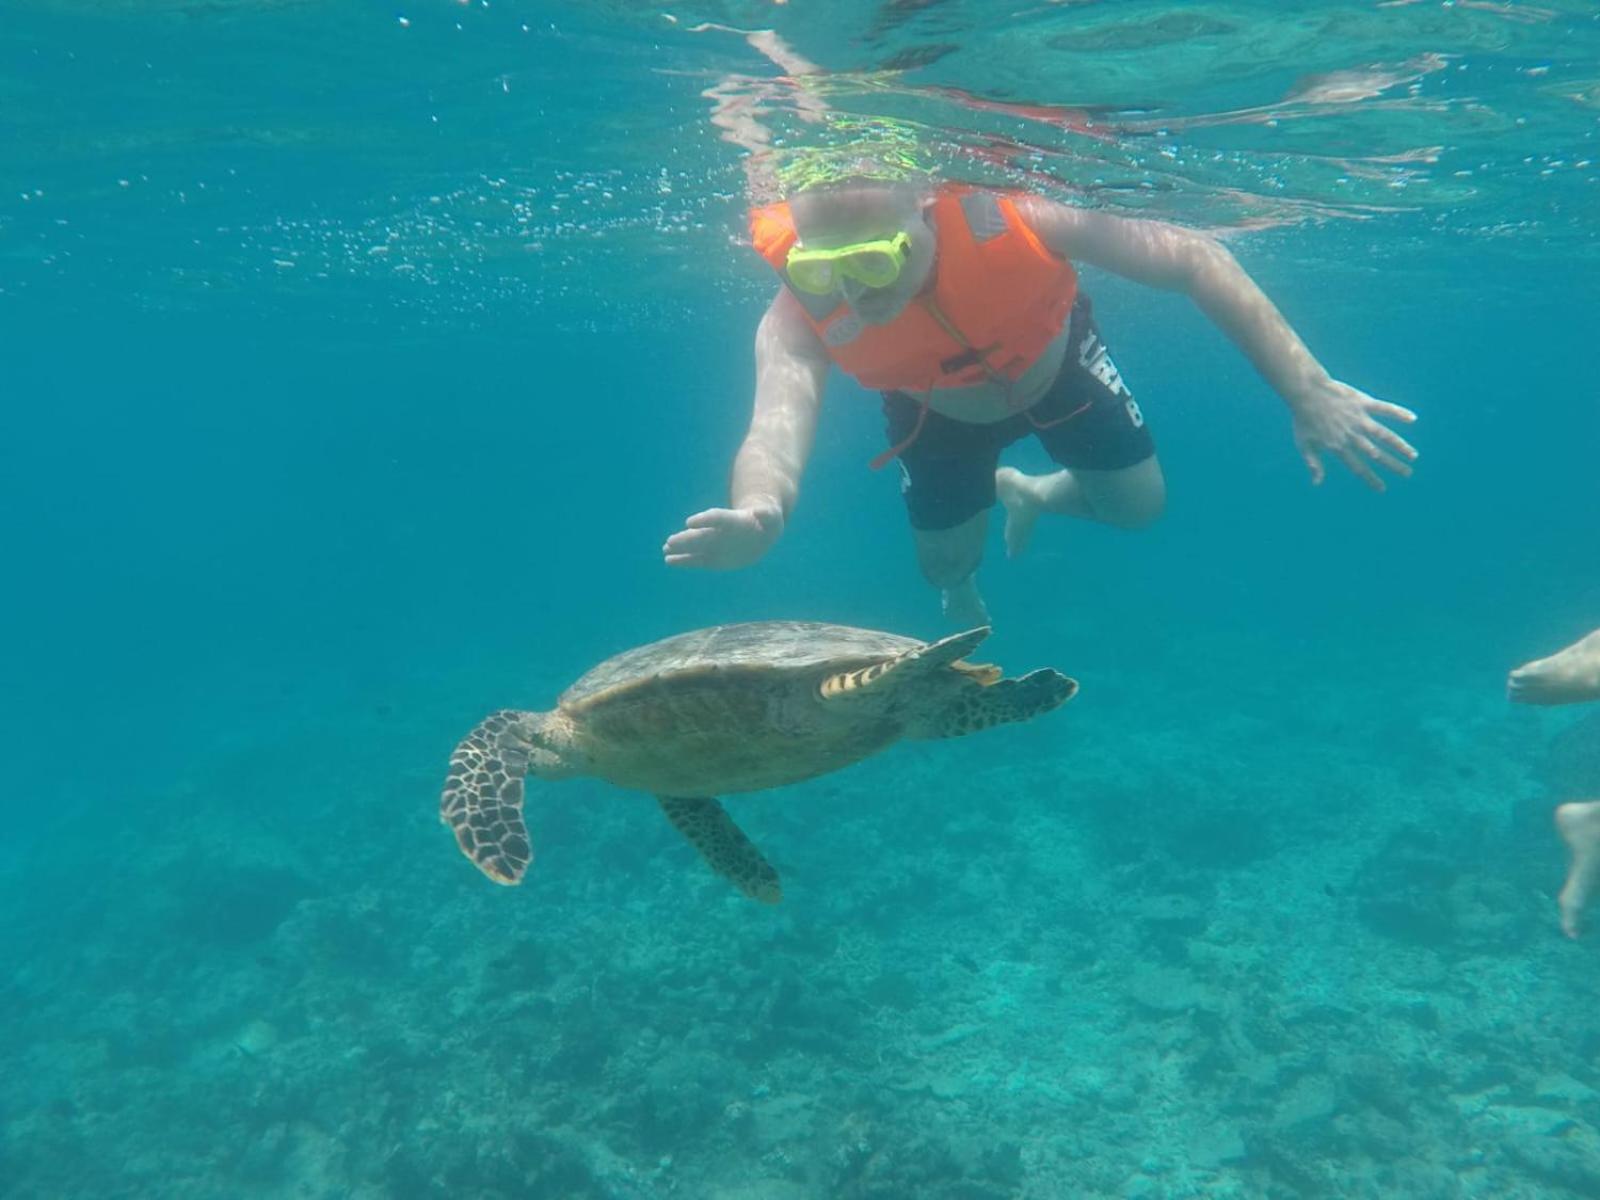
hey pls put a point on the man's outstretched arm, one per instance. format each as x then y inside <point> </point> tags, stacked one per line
<point>1329,416</point>
<point>791,370</point>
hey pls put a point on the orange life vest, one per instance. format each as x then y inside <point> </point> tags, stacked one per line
<point>997,299</point>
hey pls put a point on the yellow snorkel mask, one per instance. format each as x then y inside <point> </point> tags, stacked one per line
<point>874,264</point>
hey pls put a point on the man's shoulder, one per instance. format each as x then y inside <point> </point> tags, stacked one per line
<point>785,324</point>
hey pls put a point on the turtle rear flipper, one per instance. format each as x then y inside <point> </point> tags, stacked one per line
<point>723,845</point>
<point>979,707</point>
<point>482,798</point>
<point>903,668</point>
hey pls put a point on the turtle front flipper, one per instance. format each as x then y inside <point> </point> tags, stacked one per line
<point>979,707</point>
<point>904,668</point>
<point>723,845</point>
<point>482,798</point>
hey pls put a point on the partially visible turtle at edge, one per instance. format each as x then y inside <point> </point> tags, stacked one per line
<point>736,708</point>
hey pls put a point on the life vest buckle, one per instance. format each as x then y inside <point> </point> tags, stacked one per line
<point>972,356</point>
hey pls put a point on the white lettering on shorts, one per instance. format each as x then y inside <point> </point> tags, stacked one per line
<point>1134,414</point>
<point>1092,357</point>
<point>905,478</point>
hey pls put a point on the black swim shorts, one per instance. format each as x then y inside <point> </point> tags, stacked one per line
<point>1086,419</point>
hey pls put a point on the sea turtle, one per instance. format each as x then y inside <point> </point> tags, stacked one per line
<point>736,708</point>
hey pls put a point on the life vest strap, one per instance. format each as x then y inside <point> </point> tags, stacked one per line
<point>1039,425</point>
<point>899,448</point>
<point>979,359</point>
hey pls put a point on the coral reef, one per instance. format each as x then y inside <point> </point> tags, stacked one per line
<point>1177,955</point>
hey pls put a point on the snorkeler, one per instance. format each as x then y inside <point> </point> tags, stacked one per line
<point>1569,676</point>
<point>961,306</point>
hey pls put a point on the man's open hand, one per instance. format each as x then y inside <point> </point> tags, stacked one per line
<point>723,539</point>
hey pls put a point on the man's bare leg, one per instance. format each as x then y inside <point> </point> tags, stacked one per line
<point>1569,676</point>
<point>1129,498</point>
<point>949,560</point>
<point>1579,826</point>
<point>1566,677</point>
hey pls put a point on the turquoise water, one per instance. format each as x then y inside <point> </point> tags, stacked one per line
<point>355,361</point>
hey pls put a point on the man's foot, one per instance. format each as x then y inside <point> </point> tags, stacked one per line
<point>1566,677</point>
<point>1020,494</point>
<point>963,606</point>
<point>1579,826</point>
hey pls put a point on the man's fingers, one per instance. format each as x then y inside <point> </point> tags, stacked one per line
<point>686,540</point>
<point>1530,684</point>
<point>689,544</point>
<point>1392,439</point>
<point>1383,458</point>
<point>690,548</point>
<point>1364,472</point>
<point>710,519</point>
<point>1314,465</point>
<point>1394,412</point>
<point>699,562</point>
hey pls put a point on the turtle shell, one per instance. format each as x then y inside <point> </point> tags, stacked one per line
<point>730,709</point>
<point>757,646</point>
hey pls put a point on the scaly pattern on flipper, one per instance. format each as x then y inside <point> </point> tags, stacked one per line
<point>723,845</point>
<point>1003,702</point>
<point>482,797</point>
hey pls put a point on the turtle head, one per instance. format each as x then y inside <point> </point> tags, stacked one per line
<point>482,797</point>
